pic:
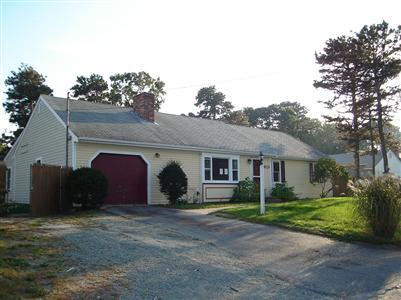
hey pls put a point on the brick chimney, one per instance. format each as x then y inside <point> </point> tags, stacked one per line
<point>144,106</point>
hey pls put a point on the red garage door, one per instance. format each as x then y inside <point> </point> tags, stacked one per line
<point>126,175</point>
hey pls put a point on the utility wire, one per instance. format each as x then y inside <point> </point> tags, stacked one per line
<point>230,80</point>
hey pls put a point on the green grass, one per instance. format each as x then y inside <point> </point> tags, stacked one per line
<point>27,263</point>
<point>209,205</point>
<point>331,217</point>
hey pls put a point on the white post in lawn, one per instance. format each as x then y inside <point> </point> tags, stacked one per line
<point>262,184</point>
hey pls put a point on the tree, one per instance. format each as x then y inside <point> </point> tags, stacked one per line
<point>173,181</point>
<point>6,140</point>
<point>325,139</point>
<point>288,117</point>
<point>381,49</point>
<point>341,72</point>
<point>325,170</point>
<point>212,103</point>
<point>23,90</point>
<point>93,88</point>
<point>236,117</point>
<point>3,149</point>
<point>125,86</point>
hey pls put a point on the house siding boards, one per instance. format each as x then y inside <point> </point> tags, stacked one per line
<point>394,164</point>
<point>43,138</point>
<point>297,175</point>
<point>297,172</point>
<point>189,160</point>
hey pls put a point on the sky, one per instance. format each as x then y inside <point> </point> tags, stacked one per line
<point>255,52</point>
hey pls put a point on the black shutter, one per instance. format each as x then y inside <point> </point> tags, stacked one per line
<point>283,171</point>
<point>311,172</point>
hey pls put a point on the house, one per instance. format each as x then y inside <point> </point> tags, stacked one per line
<point>366,162</point>
<point>131,145</point>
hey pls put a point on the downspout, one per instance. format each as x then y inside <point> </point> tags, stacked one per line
<point>67,122</point>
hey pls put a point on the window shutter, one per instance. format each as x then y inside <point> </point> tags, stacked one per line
<point>283,171</point>
<point>310,172</point>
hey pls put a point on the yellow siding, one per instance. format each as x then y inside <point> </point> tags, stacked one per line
<point>297,172</point>
<point>190,162</point>
<point>43,138</point>
<point>297,175</point>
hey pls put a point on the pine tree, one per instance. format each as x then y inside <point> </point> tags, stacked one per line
<point>341,73</point>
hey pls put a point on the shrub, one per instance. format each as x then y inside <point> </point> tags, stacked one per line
<point>246,190</point>
<point>325,170</point>
<point>173,181</point>
<point>87,186</point>
<point>283,192</point>
<point>378,202</point>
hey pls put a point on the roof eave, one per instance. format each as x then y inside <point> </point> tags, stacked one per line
<point>187,148</point>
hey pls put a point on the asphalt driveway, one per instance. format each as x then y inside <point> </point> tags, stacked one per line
<point>158,253</point>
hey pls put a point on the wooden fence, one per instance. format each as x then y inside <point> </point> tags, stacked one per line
<point>48,189</point>
<point>340,187</point>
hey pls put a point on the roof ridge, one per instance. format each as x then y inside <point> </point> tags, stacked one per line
<point>87,102</point>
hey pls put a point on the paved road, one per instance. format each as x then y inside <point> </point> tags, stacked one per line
<point>173,254</point>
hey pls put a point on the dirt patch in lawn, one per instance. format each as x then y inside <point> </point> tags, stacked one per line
<point>29,258</point>
<point>33,263</point>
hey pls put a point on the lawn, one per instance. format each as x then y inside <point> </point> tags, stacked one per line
<point>32,263</point>
<point>208,205</point>
<point>28,260</point>
<point>331,217</point>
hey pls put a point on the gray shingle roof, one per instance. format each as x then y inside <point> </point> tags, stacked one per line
<point>103,121</point>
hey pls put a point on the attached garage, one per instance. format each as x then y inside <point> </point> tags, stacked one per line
<point>127,176</point>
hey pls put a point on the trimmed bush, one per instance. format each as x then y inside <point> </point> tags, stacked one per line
<point>246,191</point>
<point>87,186</point>
<point>378,202</point>
<point>173,182</point>
<point>283,192</point>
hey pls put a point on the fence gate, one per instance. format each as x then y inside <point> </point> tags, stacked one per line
<point>48,189</point>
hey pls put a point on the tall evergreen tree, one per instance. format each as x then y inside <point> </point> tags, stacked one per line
<point>381,56</point>
<point>341,72</point>
<point>93,88</point>
<point>24,87</point>
<point>236,117</point>
<point>212,103</point>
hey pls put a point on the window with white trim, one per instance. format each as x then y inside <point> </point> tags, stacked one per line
<point>256,170</point>
<point>312,172</point>
<point>276,171</point>
<point>235,169</point>
<point>220,168</point>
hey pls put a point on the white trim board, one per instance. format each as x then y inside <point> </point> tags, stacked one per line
<point>187,148</point>
<point>148,163</point>
<point>219,155</point>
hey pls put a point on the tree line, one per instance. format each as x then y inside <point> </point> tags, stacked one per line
<point>359,69</point>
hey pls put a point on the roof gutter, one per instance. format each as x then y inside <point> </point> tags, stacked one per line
<point>185,148</point>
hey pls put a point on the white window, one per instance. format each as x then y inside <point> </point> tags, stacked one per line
<point>235,169</point>
<point>220,168</point>
<point>255,170</point>
<point>278,171</point>
<point>312,171</point>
